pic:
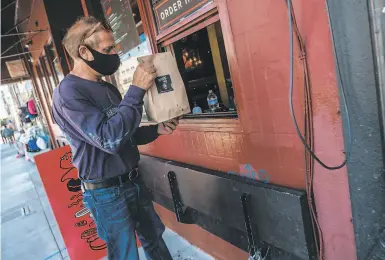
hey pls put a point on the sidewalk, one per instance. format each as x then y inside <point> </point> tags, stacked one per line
<point>28,227</point>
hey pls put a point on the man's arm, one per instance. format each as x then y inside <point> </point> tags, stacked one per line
<point>94,127</point>
<point>146,134</point>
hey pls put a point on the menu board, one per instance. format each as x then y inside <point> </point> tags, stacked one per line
<point>119,15</point>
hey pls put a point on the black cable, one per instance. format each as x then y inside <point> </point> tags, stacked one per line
<point>341,87</point>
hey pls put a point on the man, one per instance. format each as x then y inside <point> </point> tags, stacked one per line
<point>103,130</point>
<point>4,139</point>
<point>8,133</point>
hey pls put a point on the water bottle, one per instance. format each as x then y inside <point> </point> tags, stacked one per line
<point>196,109</point>
<point>212,101</point>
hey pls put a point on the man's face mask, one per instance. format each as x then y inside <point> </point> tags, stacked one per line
<point>105,64</point>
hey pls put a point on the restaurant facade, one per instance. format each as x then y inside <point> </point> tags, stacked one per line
<point>246,165</point>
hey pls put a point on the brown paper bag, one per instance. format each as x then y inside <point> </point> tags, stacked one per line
<point>167,98</point>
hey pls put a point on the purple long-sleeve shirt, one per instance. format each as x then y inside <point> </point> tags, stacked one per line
<point>102,129</point>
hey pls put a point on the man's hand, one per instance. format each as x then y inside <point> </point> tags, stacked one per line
<point>144,75</point>
<point>168,127</point>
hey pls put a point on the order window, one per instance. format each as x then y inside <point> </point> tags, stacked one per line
<point>201,55</point>
<point>202,62</point>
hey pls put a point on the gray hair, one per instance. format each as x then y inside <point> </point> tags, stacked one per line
<point>82,30</point>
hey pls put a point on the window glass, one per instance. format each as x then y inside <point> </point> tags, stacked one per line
<point>56,61</point>
<point>202,62</point>
<point>124,18</point>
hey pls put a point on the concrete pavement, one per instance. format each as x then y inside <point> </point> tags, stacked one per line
<point>28,227</point>
<point>29,230</point>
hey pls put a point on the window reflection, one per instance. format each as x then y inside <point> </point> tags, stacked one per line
<point>56,62</point>
<point>126,23</point>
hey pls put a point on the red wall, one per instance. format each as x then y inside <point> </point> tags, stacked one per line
<point>264,135</point>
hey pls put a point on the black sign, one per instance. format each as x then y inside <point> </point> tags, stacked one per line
<point>169,12</point>
<point>119,16</point>
<point>163,84</point>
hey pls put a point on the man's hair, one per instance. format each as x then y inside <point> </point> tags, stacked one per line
<point>80,32</point>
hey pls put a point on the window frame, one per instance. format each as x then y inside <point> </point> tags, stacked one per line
<point>205,16</point>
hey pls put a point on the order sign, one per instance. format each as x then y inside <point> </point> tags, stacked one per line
<point>170,11</point>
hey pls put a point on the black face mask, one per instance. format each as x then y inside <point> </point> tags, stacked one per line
<point>105,64</point>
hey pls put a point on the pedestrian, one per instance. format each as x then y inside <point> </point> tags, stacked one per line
<point>23,115</point>
<point>20,147</point>
<point>12,129</point>
<point>8,133</point>
<point>3,138</point>
<point>103,131</point>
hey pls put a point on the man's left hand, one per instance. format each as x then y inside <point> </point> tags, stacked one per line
<point>166,128</point>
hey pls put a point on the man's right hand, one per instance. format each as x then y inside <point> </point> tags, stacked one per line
<point>144,75</point>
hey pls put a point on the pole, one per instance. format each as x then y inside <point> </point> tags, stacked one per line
<point>16,25</point>
<point>23,33</point>
<point>8,5</point>
<point>19,41</point>
<point>13,55</point>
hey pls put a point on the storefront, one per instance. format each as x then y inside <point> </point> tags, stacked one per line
<point>239,50</point>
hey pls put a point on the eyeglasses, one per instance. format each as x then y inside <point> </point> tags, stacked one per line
<point>90,32</point>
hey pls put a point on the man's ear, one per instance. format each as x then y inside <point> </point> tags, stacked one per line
<point>85,53</point>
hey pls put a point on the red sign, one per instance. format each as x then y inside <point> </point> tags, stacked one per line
<point>61,182</point>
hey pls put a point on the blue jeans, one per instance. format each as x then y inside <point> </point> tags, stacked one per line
<point>119,212</point>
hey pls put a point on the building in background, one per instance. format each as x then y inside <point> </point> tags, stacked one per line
<point>5,103</point>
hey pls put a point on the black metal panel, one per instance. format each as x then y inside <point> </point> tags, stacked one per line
<point>184,214</point>
<point>281,214</point>
<point>233,236</point>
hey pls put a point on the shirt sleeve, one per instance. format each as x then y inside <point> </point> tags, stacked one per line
<point>108,133</point>
<point>146,134</point>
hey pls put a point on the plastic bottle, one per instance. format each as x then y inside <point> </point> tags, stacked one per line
<point>212,101</point>
<point>196,109</point>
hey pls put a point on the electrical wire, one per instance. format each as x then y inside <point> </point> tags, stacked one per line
<point>309,135</point>
<point>309,149</point>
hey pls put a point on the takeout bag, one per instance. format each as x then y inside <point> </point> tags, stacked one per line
<point>167,98</point>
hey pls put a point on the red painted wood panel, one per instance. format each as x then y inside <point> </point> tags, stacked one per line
<point>258,37</point>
